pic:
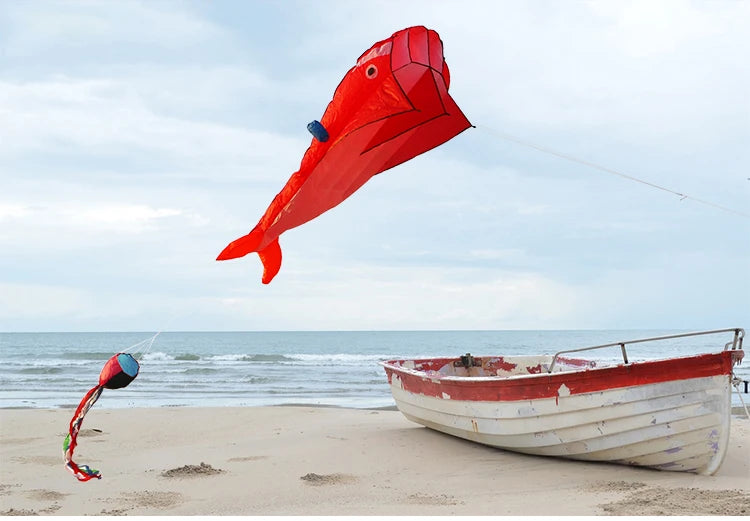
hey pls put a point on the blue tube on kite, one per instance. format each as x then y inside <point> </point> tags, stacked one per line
<point>317,129</point>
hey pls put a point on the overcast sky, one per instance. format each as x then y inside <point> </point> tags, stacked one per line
<point>138,138</point>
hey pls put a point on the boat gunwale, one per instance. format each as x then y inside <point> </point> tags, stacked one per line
<point>568,383</point>
<point>586,365</point>
<point>391,364</point>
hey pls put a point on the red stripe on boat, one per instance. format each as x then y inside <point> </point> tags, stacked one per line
<point>528,387</point>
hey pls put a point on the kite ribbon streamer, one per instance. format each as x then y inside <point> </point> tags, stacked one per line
<point>118,372</point>
<point>82,472</point>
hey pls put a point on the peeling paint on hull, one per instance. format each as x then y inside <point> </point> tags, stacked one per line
<point>671,414</point>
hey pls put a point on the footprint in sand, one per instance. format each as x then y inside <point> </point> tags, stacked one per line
<point>615,486</point>
<point>151,499</point>
<point>327,479</point>
<point>189,471</point>
<point>248,458</point>
<point>88,433</point>
<point>19,441</point>
<point>658,501</point>
<point>54,507</point>
<point>427,499</point>
<point>5,488</point>
<point>38,460</point>
<point>18,512</point>
<point>42,494</point>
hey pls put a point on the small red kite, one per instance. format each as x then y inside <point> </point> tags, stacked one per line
<point>117,373</point>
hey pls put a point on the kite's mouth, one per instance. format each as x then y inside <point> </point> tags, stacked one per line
<point>417,45</point>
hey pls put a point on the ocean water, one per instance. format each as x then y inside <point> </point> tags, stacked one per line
<point>190,369</point>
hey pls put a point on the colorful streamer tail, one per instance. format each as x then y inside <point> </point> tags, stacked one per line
<point>82,472</point>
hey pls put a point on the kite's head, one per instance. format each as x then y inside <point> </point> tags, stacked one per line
<point>381,82</point>
<point>418,46</point>
<point>119,371</point>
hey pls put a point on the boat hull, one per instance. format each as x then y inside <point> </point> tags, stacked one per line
<point>670,415</point>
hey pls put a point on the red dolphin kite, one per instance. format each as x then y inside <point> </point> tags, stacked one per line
<point>390,107</point>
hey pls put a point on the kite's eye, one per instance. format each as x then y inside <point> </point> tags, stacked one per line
<point>371,71</point>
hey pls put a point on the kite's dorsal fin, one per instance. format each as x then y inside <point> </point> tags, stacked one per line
<point>270,256</point>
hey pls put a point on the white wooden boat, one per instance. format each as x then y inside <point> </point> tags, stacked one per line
<point>670,414</point>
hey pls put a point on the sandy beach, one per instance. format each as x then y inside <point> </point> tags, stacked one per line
<point>326,461</point>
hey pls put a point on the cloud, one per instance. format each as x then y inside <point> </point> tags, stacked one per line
<point>642,28</point>
<point>100,117</point>
<point>72,225</point>
<point>371,297</point>
<point>24,301</point>
<point>118,217</point>
<point>142,137</point>
<point>36,27</point>
<point>13,211</point>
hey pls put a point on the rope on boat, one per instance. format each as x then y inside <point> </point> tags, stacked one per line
<point>736,383</point>
<point>596,166</point>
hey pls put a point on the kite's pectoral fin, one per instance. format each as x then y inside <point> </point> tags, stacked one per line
<point>242,246</point>
<point>270,256</point>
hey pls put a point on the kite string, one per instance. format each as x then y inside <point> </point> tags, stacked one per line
<point>142,351</point>
<point>144,346</point>
<point>140,345</point>
<point>596,166</point>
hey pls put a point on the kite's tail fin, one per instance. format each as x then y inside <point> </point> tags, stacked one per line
<point>270,256</point>
<point>82,472</point>
<point>242,246</point>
